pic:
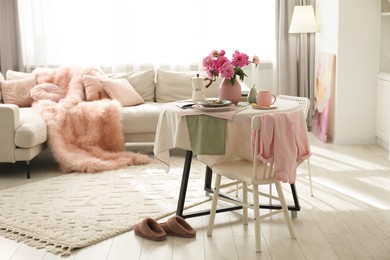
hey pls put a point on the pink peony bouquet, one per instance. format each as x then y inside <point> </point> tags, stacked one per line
<point>216,64</point>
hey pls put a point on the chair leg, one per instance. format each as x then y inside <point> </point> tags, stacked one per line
<point>214,205</point>
<point>285,209</point>
<point>257,217</point>
<point>245,202</point>
<point>311,185</point>
<point>28,169</point>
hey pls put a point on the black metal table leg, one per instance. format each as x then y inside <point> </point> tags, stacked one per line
<point>207,187</point>
<point>208,179</point>
<point>184,183</point>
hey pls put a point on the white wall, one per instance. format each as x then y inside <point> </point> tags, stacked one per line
<point>349,28</point>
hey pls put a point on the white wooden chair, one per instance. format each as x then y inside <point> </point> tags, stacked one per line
<point>305,104</point>
<point>253,173</point>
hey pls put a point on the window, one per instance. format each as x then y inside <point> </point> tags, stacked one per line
<point>120,32</point>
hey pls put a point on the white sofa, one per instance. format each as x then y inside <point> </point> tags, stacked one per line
<point>23,133</point>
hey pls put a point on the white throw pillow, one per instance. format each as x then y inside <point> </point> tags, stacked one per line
<point>142,81</point>
<point>172,86</point>
<point>121,90</point>
<point>12,75</point>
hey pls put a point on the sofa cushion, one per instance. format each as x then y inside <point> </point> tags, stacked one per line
<point>32,130</point>
<point>94,89</point>
<point>1,79</point>
<point>121,90</point>
<point>142,118</point>
<point>142,81</point>
<point>18,91</point>
<point>173,86</point>
<point>12,75</point>
<point>47,91</point>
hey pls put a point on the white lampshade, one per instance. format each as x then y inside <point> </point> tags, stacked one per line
<point>303,20</point>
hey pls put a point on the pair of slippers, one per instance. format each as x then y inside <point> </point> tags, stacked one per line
<point>175,226</point>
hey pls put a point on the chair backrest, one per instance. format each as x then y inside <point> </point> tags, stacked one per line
<point>268,171</point>
<point>304,102</point>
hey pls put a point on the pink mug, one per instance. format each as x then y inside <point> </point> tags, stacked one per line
<point>265,99</point>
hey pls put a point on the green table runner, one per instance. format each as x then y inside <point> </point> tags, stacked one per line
<point>207,134</point>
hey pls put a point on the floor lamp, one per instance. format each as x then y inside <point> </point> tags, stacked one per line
<point>303,22</point>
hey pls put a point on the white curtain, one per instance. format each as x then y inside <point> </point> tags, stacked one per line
<point>128,34</point>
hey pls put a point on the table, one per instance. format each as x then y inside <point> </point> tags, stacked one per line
<point>172,132</point>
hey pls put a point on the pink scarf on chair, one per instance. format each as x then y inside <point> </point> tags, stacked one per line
<point>283,141</point>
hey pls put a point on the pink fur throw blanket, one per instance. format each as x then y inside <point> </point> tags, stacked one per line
<point>83,136</point>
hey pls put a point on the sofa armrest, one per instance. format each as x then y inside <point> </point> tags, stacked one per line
<point>9,122</point>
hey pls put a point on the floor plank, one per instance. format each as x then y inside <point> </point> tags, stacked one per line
<point>348,217</point>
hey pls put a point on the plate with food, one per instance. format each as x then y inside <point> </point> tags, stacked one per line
<point>215,103</point>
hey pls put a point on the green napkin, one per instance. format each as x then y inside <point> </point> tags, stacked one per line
<point>207,134</point>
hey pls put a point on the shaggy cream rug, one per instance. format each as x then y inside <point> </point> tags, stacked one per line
<point>76,210</point>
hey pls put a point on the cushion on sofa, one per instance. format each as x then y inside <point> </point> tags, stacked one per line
<point>94,89</point>
<point>142,82</point>
<point>142,118</point>
<point>32,130</point>
<point>172,86</point>
<point>1,79</point>
<point>12,75</point>
<point>18,91</point>
<point>121,90</point>
<point>47,91</point>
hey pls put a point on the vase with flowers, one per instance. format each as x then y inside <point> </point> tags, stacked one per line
<point>217,64</point>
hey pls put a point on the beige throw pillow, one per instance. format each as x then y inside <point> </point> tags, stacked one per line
<point>173,86</point>
<point>142,81</point>
<point>122,90</point>
<point>18,91</point>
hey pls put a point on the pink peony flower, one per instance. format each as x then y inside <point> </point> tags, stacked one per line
<point>207,63</point>
<point>256,60</point>
<point>214,53</point>
<point>216,64</point>
<point>240,59</point>
<point>227,70</point>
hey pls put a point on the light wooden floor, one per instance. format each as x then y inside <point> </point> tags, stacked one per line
<point>348,217</point>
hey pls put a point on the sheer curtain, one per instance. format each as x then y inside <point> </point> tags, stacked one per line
<point>127,34</point>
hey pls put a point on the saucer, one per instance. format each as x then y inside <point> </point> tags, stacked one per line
<point>255,106</point>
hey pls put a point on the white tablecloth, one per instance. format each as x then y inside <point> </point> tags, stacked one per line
<point>172,132</point>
